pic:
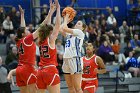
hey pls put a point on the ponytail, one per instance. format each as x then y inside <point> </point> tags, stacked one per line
<point>20,31</point>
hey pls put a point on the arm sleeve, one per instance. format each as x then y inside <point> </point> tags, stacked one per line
<point>28,40</point>
<point>78,33</point>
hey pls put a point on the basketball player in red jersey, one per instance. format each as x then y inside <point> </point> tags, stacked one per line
<point>25,72</point>
<point>47,76</point>
<point>93,65</point>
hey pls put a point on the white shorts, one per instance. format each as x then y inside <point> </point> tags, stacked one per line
<point>72,65</point>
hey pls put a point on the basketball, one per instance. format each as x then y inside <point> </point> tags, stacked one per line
<point>69,10</point>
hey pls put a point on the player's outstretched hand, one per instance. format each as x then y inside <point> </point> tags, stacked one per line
<point>57,4</point>
<point>20,9</point>
<point>52,6</point>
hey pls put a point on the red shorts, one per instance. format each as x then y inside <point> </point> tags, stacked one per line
<point>25,75</point>
<point>47,76</point>
<point>91,86</point>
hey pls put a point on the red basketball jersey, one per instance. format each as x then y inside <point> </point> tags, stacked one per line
<point>27,50</point>
<point>89,66</point>
<point>48,56</point>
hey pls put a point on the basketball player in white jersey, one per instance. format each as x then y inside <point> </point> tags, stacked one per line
<point>73,65</point>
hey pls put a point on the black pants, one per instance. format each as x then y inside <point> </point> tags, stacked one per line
<point>5,88</point>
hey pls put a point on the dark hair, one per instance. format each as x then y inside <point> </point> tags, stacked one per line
<point>93,44</point>
<point>44,32</point>
<point>20,31</point>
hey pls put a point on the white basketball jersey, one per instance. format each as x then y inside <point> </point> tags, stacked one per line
<point>73,45</point>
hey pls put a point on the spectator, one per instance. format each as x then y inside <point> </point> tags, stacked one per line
<point>59,47</point>
<point>96,29</point>
<point>4,84</point>
<point>8,26</point>
<point>134,42</point>
<point>103,27</point>
<point>130,34</point>
<point>109,11</point>
<point>136,51</point>
<point>106,53</point>
<point>2,35</point>
<point>44,13</point>
<point>116,49</point>
<point>91,32</point>
<point>111,19</point>
<point>103,17</point>
<point>61,37</point>
<point>115,30</point>
<point>97,14</point>
<point>111,36</point>
<point>60,52</point>
<point>31,28</point>
<point>12,58</point>
<point>16,20</point>
<point>127,49</point>
<point>97,25</point>
<point>2,15</point>
<point>97,42</point>
<point>132,65</point>
<point>12,14</point>
<point>131,5</point>
<point>10,43</point>
<point>130,14</point>
<point>123,30</point>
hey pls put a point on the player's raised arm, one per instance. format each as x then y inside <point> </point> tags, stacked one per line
<point>65,27</point>
<point>50,13</point>
<point>57,23</point>
<point>47,19</point>
<point>22,20</point>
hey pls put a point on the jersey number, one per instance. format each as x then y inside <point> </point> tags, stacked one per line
<point>21,49</point>
<point>44,51</point>
<point>68,43</point>
<point>86,70</point>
